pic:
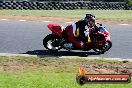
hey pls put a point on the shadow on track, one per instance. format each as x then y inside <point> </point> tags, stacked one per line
<point>59,53</point>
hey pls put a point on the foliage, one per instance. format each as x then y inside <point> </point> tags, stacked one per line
<point>129,2</point>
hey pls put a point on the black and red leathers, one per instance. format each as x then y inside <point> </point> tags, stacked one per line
<point>78,33</point>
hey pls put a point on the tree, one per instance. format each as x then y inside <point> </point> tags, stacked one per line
<point>129,2</point>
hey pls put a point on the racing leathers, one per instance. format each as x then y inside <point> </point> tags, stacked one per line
<point>78,33</point>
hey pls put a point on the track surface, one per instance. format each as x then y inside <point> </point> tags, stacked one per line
<point>27,37</point>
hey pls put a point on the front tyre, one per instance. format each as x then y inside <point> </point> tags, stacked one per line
<point>52,42</point>
<point>103,48</point>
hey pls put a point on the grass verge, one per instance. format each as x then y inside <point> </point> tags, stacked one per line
<point>35,72</point>
<point>100,14</point>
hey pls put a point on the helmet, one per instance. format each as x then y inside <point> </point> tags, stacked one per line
<point>88,16</point>
<point>90,19</point>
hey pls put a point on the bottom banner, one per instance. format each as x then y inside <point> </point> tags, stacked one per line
<point>83,78</point>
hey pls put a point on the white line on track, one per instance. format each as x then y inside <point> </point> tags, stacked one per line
<point>22,20</point>
<point>124,24</point>
<point>46,21</point>
<point>11,54</point>
<point>68,22</point>
<point>76,57</point>
<point>51,21</point>
<point>3,19</point>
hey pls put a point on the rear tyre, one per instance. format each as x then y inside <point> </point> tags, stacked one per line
<point>52,42</point>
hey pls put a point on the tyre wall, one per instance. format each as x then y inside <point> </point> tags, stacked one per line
<point>35,5</point>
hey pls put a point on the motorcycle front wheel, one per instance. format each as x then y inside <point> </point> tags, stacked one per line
<point>52,42</point>
<point>103,48</point>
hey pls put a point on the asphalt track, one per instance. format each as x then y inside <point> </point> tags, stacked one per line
<point>27,37</point>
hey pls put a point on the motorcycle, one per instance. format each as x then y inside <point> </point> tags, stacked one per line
<point>100,42</point>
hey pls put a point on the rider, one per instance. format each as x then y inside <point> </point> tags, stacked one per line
<point>79,33</point>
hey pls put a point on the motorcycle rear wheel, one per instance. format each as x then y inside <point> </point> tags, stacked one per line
<point>52,42</point>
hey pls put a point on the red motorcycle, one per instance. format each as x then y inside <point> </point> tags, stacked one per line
<point>100,42</point>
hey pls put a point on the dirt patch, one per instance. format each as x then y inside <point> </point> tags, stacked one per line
<point>17,65</point>
<point>108,68</point>
<point>37,18</point>
<point>62,19</point>
<point>58,65</point>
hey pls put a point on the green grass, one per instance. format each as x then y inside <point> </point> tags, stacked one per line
<point>46,73</point>
<point>100,14</point>
<point>40,79</point>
